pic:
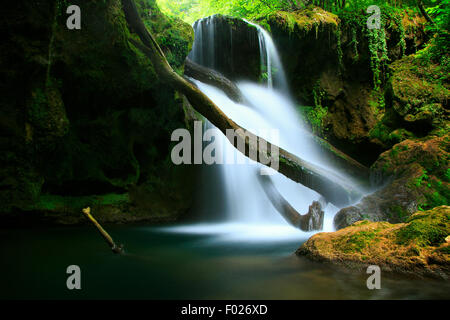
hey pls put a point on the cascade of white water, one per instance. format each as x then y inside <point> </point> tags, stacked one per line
<point>204,30</point>
<point>270,60</point>
<point>269,108</point>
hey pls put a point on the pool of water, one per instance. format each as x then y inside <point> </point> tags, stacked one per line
<point>228,261</point>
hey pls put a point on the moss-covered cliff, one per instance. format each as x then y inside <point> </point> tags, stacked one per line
<point>85,120</point>
<point>414,173</point>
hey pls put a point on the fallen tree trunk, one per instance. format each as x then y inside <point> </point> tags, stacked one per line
<point>311,221</point>
<point>213,78</point>
<point>332,187</point>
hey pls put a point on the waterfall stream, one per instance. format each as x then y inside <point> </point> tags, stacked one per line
<point>245,210</point>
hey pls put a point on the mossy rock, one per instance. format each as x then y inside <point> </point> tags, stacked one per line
<point>301,21</point>
<point>427,228</point>
<point>414,175</point>
<point>417,247</point>
<point>420,93</point>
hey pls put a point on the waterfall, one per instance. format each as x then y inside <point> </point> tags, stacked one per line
<point>270,60</point>
<point>204,30</point>
<point>269,107</point>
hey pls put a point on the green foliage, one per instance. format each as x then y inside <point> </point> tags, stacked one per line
<point>378,53</point>
<point>174,36</point>
<point>440,44</point>
<point>420,180</point>
<point>64,203</point>
<point>315,116</point>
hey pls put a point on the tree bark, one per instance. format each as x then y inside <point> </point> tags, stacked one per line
<point>213,78</point>
<point>332,187</point>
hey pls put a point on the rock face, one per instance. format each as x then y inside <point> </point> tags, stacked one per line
<point>337,70</point>
<point>84,119</point>
<point>417,247</point>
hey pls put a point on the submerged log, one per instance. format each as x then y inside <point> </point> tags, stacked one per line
<point>332,187</point>
<point>105,235</point>
<point>213,78</point>
<point>311,221</point>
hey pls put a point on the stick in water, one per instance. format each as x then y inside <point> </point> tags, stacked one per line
<point>105,235</point>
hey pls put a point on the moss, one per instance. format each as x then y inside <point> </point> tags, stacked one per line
<point>378,54</point>
<point>69,203</point>
<point>315,117</point>
<point>359,241</point>
<point>399,212</point>
<point>419,89</point>
<point>299,21</point>
<point>46,111</point>
<point>426,228</point>
<point>355,43</point>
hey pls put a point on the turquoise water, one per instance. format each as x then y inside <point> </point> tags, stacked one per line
<point>164,263</point>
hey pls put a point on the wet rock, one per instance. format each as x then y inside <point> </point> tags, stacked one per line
<point>392,203</point>
<point>413,175</point>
